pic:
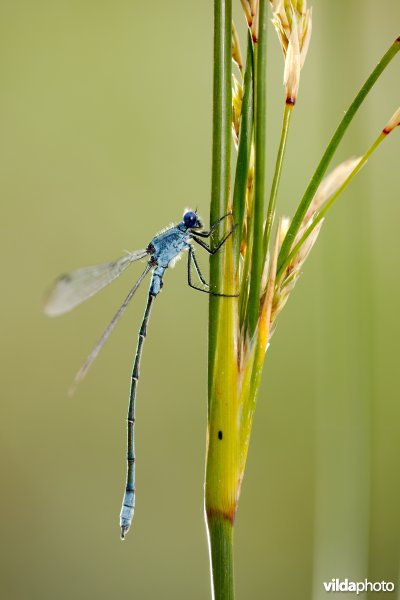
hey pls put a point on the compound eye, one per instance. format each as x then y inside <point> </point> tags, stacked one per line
<point>190,219</point>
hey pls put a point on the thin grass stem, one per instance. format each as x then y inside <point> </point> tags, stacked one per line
<point>287,113</point>
<point>322,212</point>
<point>330,151</point>
<point>244,150</point>
<point>260,124</point>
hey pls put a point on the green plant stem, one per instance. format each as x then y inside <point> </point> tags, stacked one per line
<point>221,154</point>
<point>244,149</point>
<point>244,284</point>
<point>330,151</point>
<point>260,126</point>
<point>220,493</point>
<point>287,113</point>
<point>221,550</point>
<point>321,213</point>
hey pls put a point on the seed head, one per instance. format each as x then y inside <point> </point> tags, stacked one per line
<point>237,97</point>
<point>328,186</point>
<point>251,10</point>
<point>292,272</point>
<point>236,53</point>
<point>293,23</point>
<point>393,122</point>
<point>265,319</point>
<point>247,11</point>
<point>288,280</point>
<point>291,75</point>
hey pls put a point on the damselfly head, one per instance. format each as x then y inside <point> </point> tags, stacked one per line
<point>191,220</point>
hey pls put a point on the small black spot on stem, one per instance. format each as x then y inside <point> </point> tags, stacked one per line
<point>220,435</point>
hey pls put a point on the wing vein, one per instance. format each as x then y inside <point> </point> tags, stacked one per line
<point>106,333</point>
<point>76,287</point>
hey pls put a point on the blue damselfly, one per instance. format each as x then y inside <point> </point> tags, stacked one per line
<point>162,252</point>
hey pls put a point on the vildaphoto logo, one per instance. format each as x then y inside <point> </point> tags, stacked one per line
<point>344,585</point>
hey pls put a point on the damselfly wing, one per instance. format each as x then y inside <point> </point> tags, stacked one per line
<point>73,288</point>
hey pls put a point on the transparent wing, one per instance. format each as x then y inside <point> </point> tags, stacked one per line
<point>107,332</point>
<point>76,287</point>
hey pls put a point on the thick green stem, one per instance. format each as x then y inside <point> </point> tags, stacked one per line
<point>330,151</point>
<point>221,153</point>
<point>260,127</point>
<point>220,487</point>
<point>220,533</point>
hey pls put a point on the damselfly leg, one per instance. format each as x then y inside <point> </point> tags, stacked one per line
<point>217,247</point>
<point>192,258</point>
<point>207,234</point>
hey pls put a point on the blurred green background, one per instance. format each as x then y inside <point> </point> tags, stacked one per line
<point>105,112</point>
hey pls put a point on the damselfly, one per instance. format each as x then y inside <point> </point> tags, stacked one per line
<point>162,252</point>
